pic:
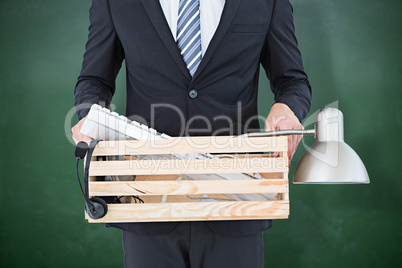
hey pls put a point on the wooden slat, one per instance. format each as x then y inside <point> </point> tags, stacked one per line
<point>149,199</point>
<point>196,211</point>
<point>156,177</point>
<point>270,176</point>
<point>174,177</point>
<point>237,155</point>
<point>216,144</point>
<point>284,196</point>
<point>187,187</point>
<point>188,166</point>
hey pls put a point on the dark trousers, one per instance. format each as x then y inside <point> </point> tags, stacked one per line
<point>192,244</point>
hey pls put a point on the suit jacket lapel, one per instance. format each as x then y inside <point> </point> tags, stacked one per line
<point>228,14</point>
<point>157,17</point>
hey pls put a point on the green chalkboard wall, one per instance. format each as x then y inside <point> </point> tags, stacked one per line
<point>352,54</point>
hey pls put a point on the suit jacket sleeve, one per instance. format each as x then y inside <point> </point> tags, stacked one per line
<point>282,62</point>
<point>102,61</point>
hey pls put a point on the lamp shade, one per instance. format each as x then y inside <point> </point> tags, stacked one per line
<point>330,160</point>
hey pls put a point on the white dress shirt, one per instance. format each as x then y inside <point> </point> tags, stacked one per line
<point>210,16</point>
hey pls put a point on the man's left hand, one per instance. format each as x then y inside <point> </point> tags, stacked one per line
<point>282,117</point>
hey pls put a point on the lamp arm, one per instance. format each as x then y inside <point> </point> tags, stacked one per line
<point>281,133</point>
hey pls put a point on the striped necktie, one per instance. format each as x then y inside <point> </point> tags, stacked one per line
<point>189,33</point>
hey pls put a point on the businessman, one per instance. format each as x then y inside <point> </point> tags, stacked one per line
<point>192,69</point>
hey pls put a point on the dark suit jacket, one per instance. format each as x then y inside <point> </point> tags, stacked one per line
<point>250,32</point>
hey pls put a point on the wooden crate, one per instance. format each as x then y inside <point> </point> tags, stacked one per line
<point>156,180</point>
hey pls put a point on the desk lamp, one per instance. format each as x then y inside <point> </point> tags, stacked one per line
<point>330,160</point>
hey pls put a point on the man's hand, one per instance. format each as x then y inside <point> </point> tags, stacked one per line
<point>282,117</point>
<point>76,131</point>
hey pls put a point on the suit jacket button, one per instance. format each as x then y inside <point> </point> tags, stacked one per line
<point>193,93</point>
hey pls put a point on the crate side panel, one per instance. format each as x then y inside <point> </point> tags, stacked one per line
<point>196,211</point>
<point>187,187</point>
<point>188,166</point>
<point>214,144</point>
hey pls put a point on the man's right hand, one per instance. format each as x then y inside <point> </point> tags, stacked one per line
<point>76,131</point>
